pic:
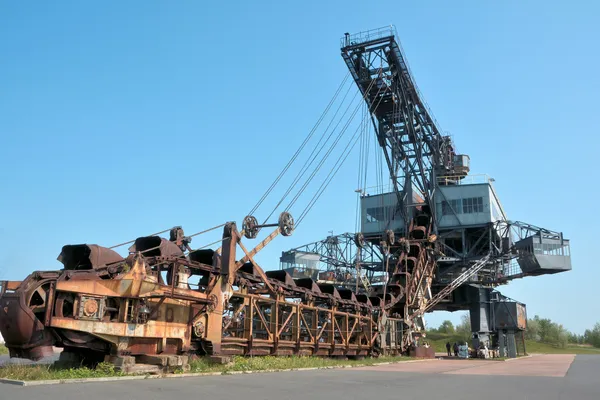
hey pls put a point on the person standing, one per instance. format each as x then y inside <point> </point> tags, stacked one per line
<point>455,349</point>
<point>448,346</point>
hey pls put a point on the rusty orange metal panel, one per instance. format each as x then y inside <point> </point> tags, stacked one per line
<point>521,316</point>
<point>13,285</point>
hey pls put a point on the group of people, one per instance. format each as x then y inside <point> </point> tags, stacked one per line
<point>460,350</point>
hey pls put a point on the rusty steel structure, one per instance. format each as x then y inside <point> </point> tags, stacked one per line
<point>419,248</point>
<point>102,306</point>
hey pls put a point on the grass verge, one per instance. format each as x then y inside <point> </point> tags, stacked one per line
<point>545,348</point>
<point>47,372</point>
<point>273,363</point>
<point>3,349</point>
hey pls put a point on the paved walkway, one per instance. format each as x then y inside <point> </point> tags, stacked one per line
<point>555,365</point>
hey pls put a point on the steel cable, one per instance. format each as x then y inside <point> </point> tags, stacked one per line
<point>328,153</point>
<point>334,170</point>
<point>312,157</point>
<point>299,150</point>
<point>195,234</point>
<point>131,241</point>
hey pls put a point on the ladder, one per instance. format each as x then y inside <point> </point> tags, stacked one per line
<point>462,278</point>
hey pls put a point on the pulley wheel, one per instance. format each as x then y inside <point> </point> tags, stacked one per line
<point>286,223</point>
<point>250,227</point>
<point>359,239</point>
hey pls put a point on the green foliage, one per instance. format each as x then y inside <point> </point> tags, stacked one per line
<point>533,328</point>
<point>106,368</point>
<point>3,349</point>
<point>592,336</point>
<point>446,327</point>
<point>464,328</point>
<point>545,331</point>
<point>576,339</point>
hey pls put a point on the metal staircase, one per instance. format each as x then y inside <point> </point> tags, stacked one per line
<point>462,278</point>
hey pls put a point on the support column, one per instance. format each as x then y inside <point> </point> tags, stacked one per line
<point>511,345</point>
<point>501,344</point>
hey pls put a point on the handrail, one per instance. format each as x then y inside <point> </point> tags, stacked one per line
<point>467,180</point>
<point>367,36</point>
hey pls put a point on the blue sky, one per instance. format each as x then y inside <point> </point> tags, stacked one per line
<point>124,119</point>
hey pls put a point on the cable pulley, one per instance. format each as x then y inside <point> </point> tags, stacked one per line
<point>286,223</point>
<point>359,240</point>
<point>250,227</point>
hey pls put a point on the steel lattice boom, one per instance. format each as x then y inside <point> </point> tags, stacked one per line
<point>414,149</point>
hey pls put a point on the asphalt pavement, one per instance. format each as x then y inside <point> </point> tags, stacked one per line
<point>575,380</point>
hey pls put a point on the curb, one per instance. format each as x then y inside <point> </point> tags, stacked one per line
<point>518,358</point>
<point>188,375</point>
<point>78,380</point>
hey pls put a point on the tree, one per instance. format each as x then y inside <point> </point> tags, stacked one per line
<point>465,325</point>
<point>533,329</point>
<point>546,331</point>
<point>446,327</point>
<point>593,336</point>
<point>573,338</point>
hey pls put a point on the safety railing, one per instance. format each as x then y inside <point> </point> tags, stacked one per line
<point>375,190</point>
<point>366,36</point>
<point>467,180</point>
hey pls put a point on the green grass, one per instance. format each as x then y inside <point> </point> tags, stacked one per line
<point>545,348</point>
<point>3,349</point>
<point>47,372</point>
<point>43,372</point>
<point>272,363</point>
